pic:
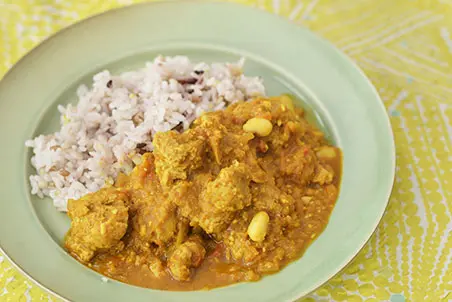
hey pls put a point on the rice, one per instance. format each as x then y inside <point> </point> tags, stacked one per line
<point>114,121</point>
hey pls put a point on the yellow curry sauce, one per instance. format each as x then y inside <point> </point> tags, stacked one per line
<point>239,195</point>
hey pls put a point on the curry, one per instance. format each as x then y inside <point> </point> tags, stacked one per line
<point>239,195</point>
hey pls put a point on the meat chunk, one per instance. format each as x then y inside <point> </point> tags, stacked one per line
<point>323,175</point>
<point>188,255</point>
<point>215,132</point>
<point>156,266</point>
<point>155,220</point>
<point>239,244</point>
<point>298,162</point>
<point>230,190</point>
<point>224,146</point>
<point>214,222</point>
<point>200,213</point>
<point>99,221</point>
<point>222,197</point>
<point>211,202</point>
<point>176,154</point>
<point>153,217</point>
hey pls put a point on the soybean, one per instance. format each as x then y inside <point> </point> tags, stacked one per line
<point>259,126</point>
<point>258,227</point>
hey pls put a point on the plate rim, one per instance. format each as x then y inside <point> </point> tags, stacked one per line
<point>320,39</point>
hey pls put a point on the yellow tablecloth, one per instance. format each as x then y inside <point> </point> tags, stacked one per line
<point>405,47</point>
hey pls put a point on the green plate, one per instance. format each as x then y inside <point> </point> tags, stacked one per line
<point>289,58</point>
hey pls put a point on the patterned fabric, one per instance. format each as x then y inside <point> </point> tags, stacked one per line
<point>405,47</point>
